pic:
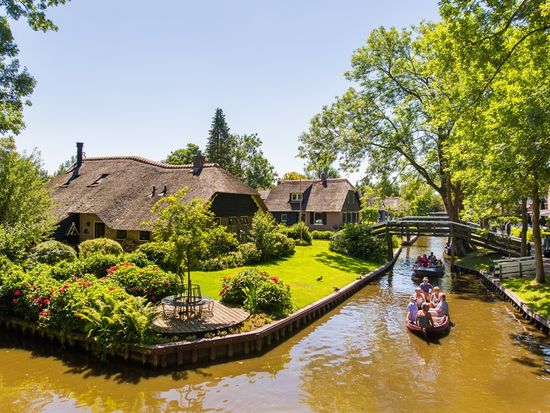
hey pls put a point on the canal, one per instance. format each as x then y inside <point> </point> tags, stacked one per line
<point>358,358</point>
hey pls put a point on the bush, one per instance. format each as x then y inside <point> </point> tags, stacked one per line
<point>270,243</point>
<point>150,282</point>
<point>158,253</point>
<point>356,240</point>
<point>326,235</point>
<point>97,264</point>
<point>99,245</point>
<point>230,260</point>
<point>257,292</point>
<point>111,317</point>
<point>299,231</point>
<point>250,253</point>
<point>137,257</point>
<point>51,252</point>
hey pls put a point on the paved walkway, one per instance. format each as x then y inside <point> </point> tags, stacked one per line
<point>220,317</point>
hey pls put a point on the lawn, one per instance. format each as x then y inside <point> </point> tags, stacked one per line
<point>480,259</point>
<point>537,297</point>
<point>300,272</point>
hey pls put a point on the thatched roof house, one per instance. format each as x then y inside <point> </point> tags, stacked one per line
<point>112,196</point>
<point>320,203</point>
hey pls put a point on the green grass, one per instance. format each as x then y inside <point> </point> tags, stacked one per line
<point>300,272</point>
<point>537,297</point>
<point>480,259</point>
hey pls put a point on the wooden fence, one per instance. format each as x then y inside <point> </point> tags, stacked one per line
<point>515,267</point>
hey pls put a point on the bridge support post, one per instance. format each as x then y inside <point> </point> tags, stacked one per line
<point>389,242</point>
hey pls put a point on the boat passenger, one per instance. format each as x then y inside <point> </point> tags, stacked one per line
<point>419,297</point>
<point>424,319</point>
<point>426,288</point>
<point>424,260</point>
<point>412,309</point>
<point>442,308</point>
<point>439,263</point>
<point>435,297</point>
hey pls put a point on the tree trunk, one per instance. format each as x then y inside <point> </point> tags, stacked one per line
<point>524,227</point>
<point>539,266</point>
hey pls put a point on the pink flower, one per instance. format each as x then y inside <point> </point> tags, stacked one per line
<point>46,302</point>
<point>17,293</point>
<point>14,301</point>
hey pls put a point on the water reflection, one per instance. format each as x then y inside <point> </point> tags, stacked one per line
<point>359,358</point>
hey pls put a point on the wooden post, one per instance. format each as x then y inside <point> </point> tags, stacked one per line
<point>389,243</point>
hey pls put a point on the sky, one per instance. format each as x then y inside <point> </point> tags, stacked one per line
<point>137,77</point>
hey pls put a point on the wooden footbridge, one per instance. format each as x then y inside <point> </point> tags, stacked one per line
<point>441,226</point>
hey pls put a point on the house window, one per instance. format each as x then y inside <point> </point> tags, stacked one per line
<point>99,230</point>
<point>283,218</point>
<point>351,198</point>
<point>319,218</point>
<point>232,224</point>
<point>121,234</point>
<point>218,220</point>
<point>244,220</point>
<point>296,196</point>
<point>145,235</point>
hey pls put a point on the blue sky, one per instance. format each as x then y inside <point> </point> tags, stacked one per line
<point>144,78</point>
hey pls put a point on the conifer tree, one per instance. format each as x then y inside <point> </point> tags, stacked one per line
<point>219,141</point>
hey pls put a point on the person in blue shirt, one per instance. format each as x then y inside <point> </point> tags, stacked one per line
<point>412,309</point>
<point>426,288</point>
<point>442,308</point>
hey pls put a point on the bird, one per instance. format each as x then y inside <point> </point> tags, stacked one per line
<point>335,289</point>
<point>319,278</point>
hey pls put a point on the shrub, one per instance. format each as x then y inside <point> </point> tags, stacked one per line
<point>270,243</point>
<point>65,270</point>
<point>326,235</point>
<point>99,245</point>
<point>230,260</point>
<point>257,292</point>
<point>97,264</point>
<point>299,231</point>
<point>222,242</point>
<point>137,257</point>
<point>158,253</point>
<point>356,240</point>
<point>51,252</point>
<point>150,282</point>
<point>250,253</point>
<point>11,285</point>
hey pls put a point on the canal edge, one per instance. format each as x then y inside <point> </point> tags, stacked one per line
<point>541,322</point>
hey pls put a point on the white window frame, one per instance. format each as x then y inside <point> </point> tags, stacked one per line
<point>296,196</point>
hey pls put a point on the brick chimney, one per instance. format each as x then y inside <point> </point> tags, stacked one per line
<point>79,154</point>
<point>324,179</point>
<point>198,163</point>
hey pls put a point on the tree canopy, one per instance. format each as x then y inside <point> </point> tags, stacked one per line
<point>183,156</point>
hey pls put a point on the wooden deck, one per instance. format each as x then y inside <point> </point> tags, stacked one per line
<point>220,317</point>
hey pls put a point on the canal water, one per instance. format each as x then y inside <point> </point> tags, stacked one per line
<point>358,358</point>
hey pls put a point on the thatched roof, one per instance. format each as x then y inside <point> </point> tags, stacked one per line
<point>317,197</point>
<point>123,197</point>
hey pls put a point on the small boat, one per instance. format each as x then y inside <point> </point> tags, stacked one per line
<point>430,272</point>
<point>441,326</point>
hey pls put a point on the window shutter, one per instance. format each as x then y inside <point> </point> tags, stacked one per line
<point>324,218</point>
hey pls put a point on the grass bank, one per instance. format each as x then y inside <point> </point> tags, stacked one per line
<point>299,271</point>
<point>480,259</point>
<point>537,297</point>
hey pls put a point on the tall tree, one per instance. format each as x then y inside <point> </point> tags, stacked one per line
<point>16,84</point>
<point>24,202</point>
<point>182,156</point>
<point>249,163</point>
<point>218,147</point>
<point>401,115</point>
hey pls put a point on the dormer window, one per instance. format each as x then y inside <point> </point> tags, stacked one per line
<point>296,196</point>
<point>99,180</point>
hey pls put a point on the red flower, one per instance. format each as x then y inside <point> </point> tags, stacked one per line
<point>46,302</point>
<point>274,279</point>
<point>17,293</point>
<point>15,300</point>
